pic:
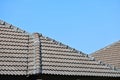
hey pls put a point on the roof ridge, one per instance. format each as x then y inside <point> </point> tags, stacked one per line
<point>67,46</point>
<point>13,27</point>
<point>106,47</point>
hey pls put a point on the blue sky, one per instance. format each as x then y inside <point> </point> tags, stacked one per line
<point>86,25</point>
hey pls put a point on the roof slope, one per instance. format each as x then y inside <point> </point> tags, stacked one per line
<point>22,53</point>
<point>109,54</point>
<point>13,50</point>
<point>60,59</point>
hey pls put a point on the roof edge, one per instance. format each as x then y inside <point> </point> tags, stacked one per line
<point>105,47</point>
<point>101,62</point>
<point>61,44</point>
<point>13,27</point>
<point>73,49</point>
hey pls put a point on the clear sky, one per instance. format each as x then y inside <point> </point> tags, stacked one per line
<point>86,25</point>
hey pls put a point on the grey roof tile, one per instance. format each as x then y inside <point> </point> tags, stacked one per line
<point>13,50</point>
<point>61,60</point>
<point>109,54</point>
<point>22,53</point>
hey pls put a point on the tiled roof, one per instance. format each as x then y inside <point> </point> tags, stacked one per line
<point>58,58</point>
<point>109,54</point>
<point>22,53</point>
<point>13,50</point>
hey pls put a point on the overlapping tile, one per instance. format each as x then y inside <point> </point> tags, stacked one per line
<point>60,59</point>
<point>22,53</point>
<point>13,50</point>
<point>109,54</point>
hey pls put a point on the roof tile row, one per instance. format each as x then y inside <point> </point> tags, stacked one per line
<point>22,53</point>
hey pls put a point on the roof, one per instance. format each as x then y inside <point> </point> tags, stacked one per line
<point>109,54</point>
<point>22,53</point>
<point>13,49</point>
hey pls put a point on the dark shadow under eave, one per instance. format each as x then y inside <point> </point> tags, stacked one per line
<point>54,77</point>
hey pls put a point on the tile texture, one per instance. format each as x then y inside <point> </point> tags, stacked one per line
<point>22,53</point>
<point>109,54</point>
